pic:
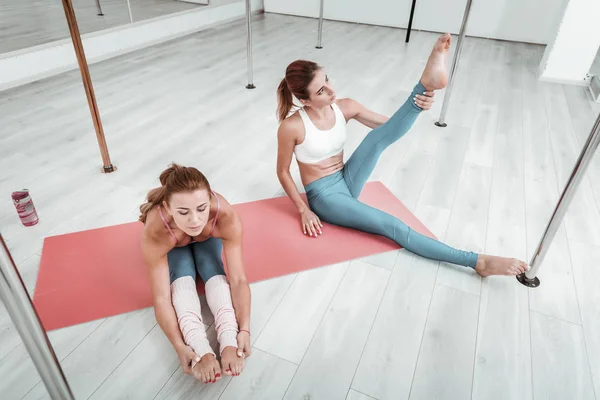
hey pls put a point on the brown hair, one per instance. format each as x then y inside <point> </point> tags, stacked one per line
<point>298,76</point>
<point>175,179</point>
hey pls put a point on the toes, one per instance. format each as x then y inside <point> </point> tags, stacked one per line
<point>217,372</point>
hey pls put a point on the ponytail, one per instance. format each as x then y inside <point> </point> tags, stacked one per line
<point>155,197</point>
<point>298,76</point>
<point>285,101</point>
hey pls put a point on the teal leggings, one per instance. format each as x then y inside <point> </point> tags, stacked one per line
<point>334,198</point>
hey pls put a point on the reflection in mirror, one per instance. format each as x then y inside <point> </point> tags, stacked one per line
<point>595,69</point>
<point>594,74</point>
<point>26,24</point>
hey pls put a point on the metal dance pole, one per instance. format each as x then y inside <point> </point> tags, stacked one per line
<point>410,20</point>
<point>249,44</point>
<point>463,28</point>
<point>21,311</point>
<point>99,7</point>
<point>320,26</point>
<point>529,278</point>
<point>130,13</point>
<point>87,84</point>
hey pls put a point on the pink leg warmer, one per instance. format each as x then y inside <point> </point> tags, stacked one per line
<point>187,307</point>
<point>218,296</point>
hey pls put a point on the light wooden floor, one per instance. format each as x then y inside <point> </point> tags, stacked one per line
<point>31,23</point>
<point>393,326</point>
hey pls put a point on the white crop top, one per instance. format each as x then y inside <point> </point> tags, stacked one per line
<point>318,144</point>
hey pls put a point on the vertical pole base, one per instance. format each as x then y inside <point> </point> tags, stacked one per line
<point>441,124</point>
<point>318,47</point>
<point>531,283</point>
<point>109,169</point>
<point>101,15</point>
<point>250,86</point>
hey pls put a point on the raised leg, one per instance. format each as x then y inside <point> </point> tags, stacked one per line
<point>361,163</point>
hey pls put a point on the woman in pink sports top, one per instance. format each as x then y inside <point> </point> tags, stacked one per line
<point>186,228</point>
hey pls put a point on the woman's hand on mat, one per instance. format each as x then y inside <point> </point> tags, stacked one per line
<point>311,224</point>
<point>425,100</point>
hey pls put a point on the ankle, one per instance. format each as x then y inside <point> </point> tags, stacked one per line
<point>426,84</point>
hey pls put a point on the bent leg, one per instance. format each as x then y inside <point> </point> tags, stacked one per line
<point>344,210</point>
<point>361,163</point>
<point>186,303</point>
<point>209,264</point>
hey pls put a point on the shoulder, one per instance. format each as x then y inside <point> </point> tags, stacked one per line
<point>291,127</point>
<point>152,247</point>
<point>230,223</point>
<point>349,107</point>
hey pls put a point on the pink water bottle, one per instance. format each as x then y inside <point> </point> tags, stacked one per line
<point>25,207</point>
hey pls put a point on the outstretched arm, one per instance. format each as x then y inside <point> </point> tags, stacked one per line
<point>354,110</point>
<point>158,273</point>
<point>240,289</point>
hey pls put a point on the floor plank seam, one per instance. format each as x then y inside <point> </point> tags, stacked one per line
<point>316,330</point>
<point>123,360</point>
<point>585,340</point>
<point>274,311</point>
<point>389,278</point>
<point>423,332</point>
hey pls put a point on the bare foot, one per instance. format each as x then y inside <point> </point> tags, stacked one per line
<point>208,369</point>
<point>492,265</point>
<point>230,362</point>
<point>435,75</point>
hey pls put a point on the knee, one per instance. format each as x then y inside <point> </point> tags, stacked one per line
<point>209,269</point>
<point>181,264</point>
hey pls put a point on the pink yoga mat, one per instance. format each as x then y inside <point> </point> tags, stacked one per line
<point>98,273</point>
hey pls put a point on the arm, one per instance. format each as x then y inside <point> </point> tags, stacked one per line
<point>286,140</point>
<point>163,309</point>
<point>238,283</point>
<point>354,110</point>
<point>236,274</point>
<point>158,272</point>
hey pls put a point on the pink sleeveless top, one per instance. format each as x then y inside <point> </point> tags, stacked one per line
<point>211,229</point>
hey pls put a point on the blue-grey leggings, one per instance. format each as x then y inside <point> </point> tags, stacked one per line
<point>198,258</point>
<point>334,198</point>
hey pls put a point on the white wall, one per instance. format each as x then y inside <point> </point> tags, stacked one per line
<point>531,21</point>
<point>571,53</point>
<point>27,65</point>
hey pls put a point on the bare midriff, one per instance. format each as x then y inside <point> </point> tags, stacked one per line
<point>312,172</point>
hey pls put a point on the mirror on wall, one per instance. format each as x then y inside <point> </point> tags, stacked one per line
<point>25,24</point>
<point>595,68</point>
<point>594,74</point>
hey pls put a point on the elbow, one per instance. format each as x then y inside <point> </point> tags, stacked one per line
<point>282,173</point>
<point>160,302</point>
<point>237,283</point>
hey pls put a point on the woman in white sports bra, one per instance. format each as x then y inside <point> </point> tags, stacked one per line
<point>316,135</point>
